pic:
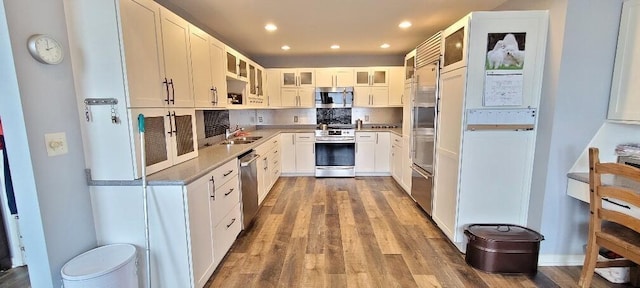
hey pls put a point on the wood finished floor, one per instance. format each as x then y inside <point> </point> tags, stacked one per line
<point>15,278</point>
<point>357,232</point>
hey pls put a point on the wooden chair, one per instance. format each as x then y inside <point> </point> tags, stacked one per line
<point>610,229</point>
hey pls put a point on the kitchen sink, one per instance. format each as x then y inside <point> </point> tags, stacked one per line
<point>247,138</point>
<point>236,141</point>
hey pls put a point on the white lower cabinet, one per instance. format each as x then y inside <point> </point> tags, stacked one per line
<point>372,153</point>
<point>268,166</point>
<point>214,218</point>
<point>396,158</point>
<point>298,156</point>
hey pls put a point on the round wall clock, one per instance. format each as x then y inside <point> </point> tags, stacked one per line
<point>45,49</point>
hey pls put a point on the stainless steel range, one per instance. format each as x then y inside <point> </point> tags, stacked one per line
<point>335,152</point>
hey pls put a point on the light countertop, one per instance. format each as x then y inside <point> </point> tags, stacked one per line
<point>214,156</point>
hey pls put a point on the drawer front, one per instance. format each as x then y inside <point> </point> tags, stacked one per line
<point>225,172</point>
<point>365,136</point>
<point>226,232</point>
<point>305,137</point>
<point>275,157</point>
<point>275,142</point>
<point>396,140</point>
<point>227,197</point>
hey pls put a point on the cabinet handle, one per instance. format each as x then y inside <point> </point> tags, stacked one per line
<point>230,190</point>
<point>170,125</point>
<point>214,92</point>
<point>175,125</point>
<point>376,138</point>
<point>232,221</point>
<point>166,86</point>
<point>227,174</point>
<point>356,148</point>
<point>293,139</point>
<point>173,92</point>
<point>213,189</point>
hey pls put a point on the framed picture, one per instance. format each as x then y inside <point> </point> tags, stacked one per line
<point>505,51</point>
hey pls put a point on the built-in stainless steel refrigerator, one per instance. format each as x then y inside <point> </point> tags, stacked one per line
<point>424,121</point>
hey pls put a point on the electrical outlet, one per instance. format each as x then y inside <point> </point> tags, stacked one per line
<point>366,118</point>
<point>260,119</point>
<point>56,143</point>
<point>295,119</point>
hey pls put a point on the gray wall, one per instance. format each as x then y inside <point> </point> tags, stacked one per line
<point>577,80</point>
<point>53,200</point>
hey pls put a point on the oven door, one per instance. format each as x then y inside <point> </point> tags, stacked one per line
<point>335,159</point>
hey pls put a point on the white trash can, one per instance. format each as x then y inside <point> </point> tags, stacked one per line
<point>103,267</point>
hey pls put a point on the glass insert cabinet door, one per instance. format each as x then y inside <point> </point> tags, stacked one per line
<point>169,138</point>
<point>376,77</point>
<point>232,65</point>
<point>296,78</point>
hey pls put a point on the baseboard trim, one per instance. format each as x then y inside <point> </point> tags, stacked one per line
<point>560,260</point>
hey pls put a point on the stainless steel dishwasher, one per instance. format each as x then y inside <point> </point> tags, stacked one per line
<point>249,184</point>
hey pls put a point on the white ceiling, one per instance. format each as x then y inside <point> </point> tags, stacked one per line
<point>310,27</point>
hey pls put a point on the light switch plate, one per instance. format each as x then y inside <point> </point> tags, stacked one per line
<point>56,143</point>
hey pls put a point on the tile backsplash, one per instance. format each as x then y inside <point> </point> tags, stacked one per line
<point>211,124</point>
<point>386,115</point>
<point>215,122</point>
<point>333,116</point>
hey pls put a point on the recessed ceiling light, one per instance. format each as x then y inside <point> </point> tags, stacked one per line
<point>285,47</point>
<point>385,46</point>
<point>405,24</point>
<point>271,27</point>
<point>335,46</point>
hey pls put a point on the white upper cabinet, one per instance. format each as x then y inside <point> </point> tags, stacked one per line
<point>334,77</point>
<point>175,42</point>
<point>273,88</point>
<point>396,86</point>
<point>218,78</point>
<point>297,78</point>
<point>207,70</point>
<point>455,45</point>
<point>237,67</point>
<point>371,76</point>
<point>409,66</point>
<point>169,137</point>
<point>624,102</point>
<point>143,53</point>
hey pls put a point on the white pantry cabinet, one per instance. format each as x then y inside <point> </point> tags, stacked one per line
<point>475,166</point>
<point>298,153</point>
<point>624,102</point>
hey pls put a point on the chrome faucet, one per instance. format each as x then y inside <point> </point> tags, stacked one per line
<point>228,133</point>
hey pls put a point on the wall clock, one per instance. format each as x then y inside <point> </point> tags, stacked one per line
<point>45,49</point>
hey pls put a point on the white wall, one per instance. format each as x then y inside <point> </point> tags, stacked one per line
<point>577,80</point>
<point>51,192</point>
